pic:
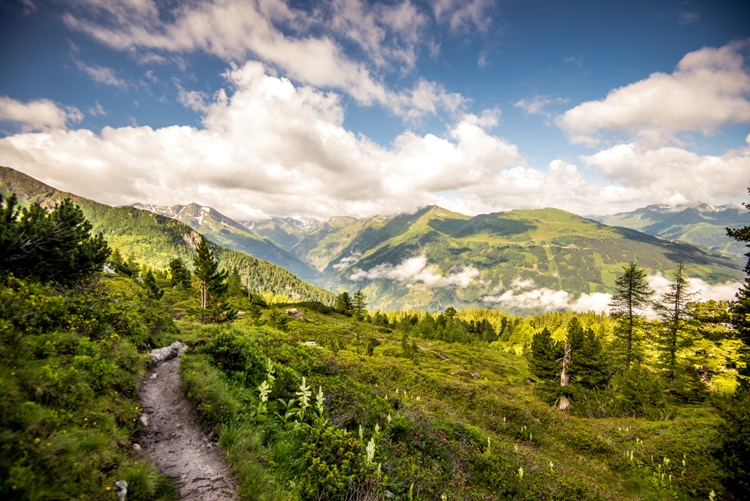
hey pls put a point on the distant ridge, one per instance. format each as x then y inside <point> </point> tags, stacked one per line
<point>698,224</point>
<point>155,240</point>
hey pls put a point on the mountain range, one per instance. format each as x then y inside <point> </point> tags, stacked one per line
<point>700,224</point>
<point>520,260</point>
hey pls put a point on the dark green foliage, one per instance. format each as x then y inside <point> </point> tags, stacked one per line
<point>589,367</point>
<point>212,286</point>
<point>544,357</point>
<point>344,303</point>
<point>180,275</point>
<point>278,319</point>
<point>234,284</point>
<point>55,246</point>
<point>675,316</point>
<point>336,467</point>
<point>632,294</point>
<point>640,388</point>
<point>152,288</point>
<point>735,432</point>
<point>359,304</point>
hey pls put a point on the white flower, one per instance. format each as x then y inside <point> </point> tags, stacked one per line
<point>304,395</point>
<point>520,473</point>
<point>370,450</point>
<point>319,400</point>
<point>265,390</point>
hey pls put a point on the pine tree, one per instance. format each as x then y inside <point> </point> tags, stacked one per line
<point>343,303</point>
<point>181,276</point>
<point>588,367</point>
<point>359,303</point>
<point>544,357</point>
<point>54,246</point>
<point>234,284</point>
<point>673,311</point>
<point>212,281</point>
<point>152,288</point>
<point>632,295</point>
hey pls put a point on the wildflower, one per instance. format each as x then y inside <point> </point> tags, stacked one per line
<point>712,495</point>
<point>109,488</point>
<point>377,428</point>
<point>361,433</point>
<point>270,370</point>
<point>264,389</point>
<point>304,395</point>
<point>388,418</point>
<point>520,473</point>
<point>551,466</point>
<point>489,443</point>
<point>319,400</point>
<point>666,461</point>
<point>370,450</point>
<point>631,455</point>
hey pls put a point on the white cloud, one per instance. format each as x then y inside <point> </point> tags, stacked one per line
<point>464,15</point>
<point>416,270</point>
<point>101,74</point>
<point>537,105</point>
<point>708,89</point>
<point>284,37</point>
<point>41,114</point>
<point>523,296</point>
<point>97,110</point>
<point>347,261</point>
<point>674,175</point>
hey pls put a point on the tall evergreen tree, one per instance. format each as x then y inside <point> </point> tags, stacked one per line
<point>673,311</point>
<point>588,367</point>
<point>343,303</point>
<point>632,295</point>
<point>359,303</point>
<point>212,280</point>
<point>152,288</point>
<point>181,276</point>
<point>544,357</point>
<point>234,284</point>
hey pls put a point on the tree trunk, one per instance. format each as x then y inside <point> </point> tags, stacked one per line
<point>564,376</point>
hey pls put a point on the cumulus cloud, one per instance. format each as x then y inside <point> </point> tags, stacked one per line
<point>415,270</point>
<point>287,38</point>
<point>41,114</point>
<point>347,261</point>
<point>709,89</point>
<point>674,175</point>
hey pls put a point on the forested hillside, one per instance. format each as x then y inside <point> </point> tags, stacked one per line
<point>156,240</point>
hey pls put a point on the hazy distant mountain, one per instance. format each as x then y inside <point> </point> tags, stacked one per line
<point>155,240</point>
<point>289,231</point>
<point>699,224</point>
<point>435,258</point>
<point>229,233</point>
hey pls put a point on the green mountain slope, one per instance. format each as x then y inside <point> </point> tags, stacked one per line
<point>289,231</point>
<point>229,233</point>
<point>155,240</point>
<point>702,224</point>
<point>436,258</point>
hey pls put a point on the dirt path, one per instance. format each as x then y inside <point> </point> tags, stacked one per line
<point>175,442</point>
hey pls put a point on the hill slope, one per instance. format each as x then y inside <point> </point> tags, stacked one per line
<point>227,232</point>
<point>155,240</point>
<point>436,258</point>
<point>701,224</point>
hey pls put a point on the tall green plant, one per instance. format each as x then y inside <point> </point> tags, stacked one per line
<point>632,295</point>
<point>673,311</point>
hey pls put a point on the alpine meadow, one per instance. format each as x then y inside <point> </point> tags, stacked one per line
<point>374,250</point>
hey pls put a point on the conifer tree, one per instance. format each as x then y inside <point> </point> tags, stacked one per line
<point>343,303</point>
<point>673,311</point>
<point>588,367</point>
<point>632,295</point>
<point>152,288</point>
<point>181,276</point>
<point>544,356</point>
<point>212,285</point>
<point>54,246</point>
<point>359,303</point>
<point>234,284</point>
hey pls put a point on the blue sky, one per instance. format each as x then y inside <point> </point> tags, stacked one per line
<point>268,107</point>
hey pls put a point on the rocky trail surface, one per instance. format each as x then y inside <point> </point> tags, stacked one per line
<point>174,438</point>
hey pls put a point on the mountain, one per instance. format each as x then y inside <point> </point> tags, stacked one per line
<point>699,224</point>
<point>289,231</point>
<point>155,240</point>
<point>435,258</point>
<point>229,233</point>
